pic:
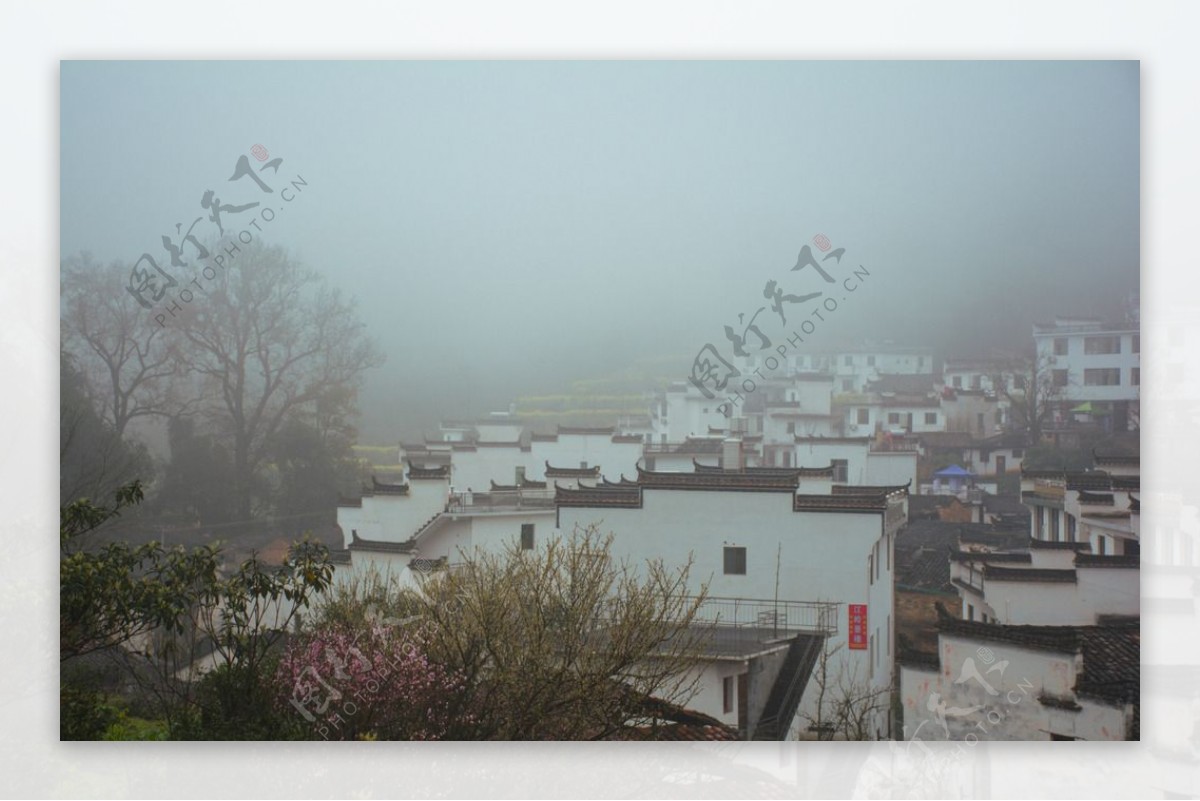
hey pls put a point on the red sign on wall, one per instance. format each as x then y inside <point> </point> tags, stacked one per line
<point>858,627</point>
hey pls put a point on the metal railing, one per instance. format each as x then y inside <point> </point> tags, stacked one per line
<point>488,501</point>
<point>818,617</point>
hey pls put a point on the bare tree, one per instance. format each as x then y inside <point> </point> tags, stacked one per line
<point>269,342</point>
<point>126,360</point>
<point>1034,394</point>
<point>847,706</point>
<point>559,643</point>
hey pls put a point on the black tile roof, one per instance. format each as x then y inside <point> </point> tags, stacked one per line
<point>755,481</point>
<point>597,431</point>
<point>1038,574</point>
<point>870,489</point>
<point>1111,653</point>
<point>617,496</point>
<point>379,488</point>
<point>1008,506</point>
<point>924,569</point>
<point>840,503</point>
<point>1127,483</point>
<point>1116,459</point>
<point>572,472</point>
<point>1111,662</point>
<point>1048,545</point>
<point>357,543</point>
<point>425,474</point>
<point>996,557</point>
<point>1131,562</point>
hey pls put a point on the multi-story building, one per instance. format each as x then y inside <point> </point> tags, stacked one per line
<point>1095,364</point>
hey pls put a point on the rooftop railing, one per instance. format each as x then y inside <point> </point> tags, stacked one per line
<point>502,500</point>
<point>817,617</point>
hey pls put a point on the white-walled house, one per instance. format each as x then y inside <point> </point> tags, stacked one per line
<point>996,456</point>
<point>683,411</point>
<point>975,411</point>
<point>1095,507</point>
<point>991,376</point>
<point>864,461</point>
<point>800,405</point>
<point>1095,363</point>
<point>744,528</point>
<point>1051,583</point>
<point>997,682</point>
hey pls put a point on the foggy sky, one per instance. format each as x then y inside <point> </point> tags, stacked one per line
<point>509,226</point>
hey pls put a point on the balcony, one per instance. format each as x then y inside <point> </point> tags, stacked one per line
<point>778,617</point>
<point>500,501</point>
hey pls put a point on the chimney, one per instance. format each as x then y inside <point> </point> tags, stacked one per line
<point>731,454</point>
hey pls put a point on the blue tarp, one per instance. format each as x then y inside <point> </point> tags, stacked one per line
<point>953,471</point>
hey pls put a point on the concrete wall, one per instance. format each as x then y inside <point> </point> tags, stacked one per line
<point>393,518</point>
<point>1098,591</point>
<point>568,450</point>
<point>891,468</point>
<point>478,468</point>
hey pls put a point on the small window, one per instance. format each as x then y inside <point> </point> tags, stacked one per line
<point>957,381</point>
<point>930,418</point>
<point>970,611</point>
<point>583,465</point>
<point>864,417</point>
<point>1060,347</point>
<point>841,470</point>
<point>1103,545</point>
<point>727,694</point>
<point>735,561</point>
<point>847,385</point>
<point>1102,377</point>
<point>791,428</point>
<point>527,536</point>
<point>1101,345</point>
<point>1137,343</point>
<point>893,418</point>
<point>1059,377</point>
<point>1135,376</point>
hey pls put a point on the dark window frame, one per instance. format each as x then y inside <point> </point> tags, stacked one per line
<point>733,556</point>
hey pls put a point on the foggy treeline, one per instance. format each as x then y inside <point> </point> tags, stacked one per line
<point>250,393</point>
